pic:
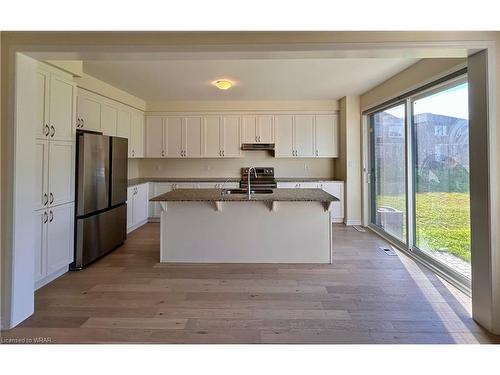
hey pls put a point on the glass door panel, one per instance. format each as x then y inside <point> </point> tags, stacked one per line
<point>441,176</point>
<point>388,171</point>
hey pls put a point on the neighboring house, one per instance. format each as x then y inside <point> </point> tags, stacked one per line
<point>442,154</point>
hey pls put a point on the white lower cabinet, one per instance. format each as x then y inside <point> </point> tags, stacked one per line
<point>54,236</point>
<point>137,206</point>
<point>335,188</point>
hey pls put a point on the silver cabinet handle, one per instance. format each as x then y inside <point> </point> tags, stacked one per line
<point>133,153</point>
<point>77,122</point>
<point>45,217</point>
<point>53,131</point>
<point>51,216</point>
<point>162,153</point>
<point>220,152</point>
<point>47,130</point>
<point>51,198</point>
<point>223,153</point>
<point>83,122</point>
<point>259,138</point>
<point>45,199</point>
<point>316,152</point>
<point>256,139</point>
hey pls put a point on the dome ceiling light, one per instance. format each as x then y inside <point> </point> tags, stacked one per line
<point>223,84</point>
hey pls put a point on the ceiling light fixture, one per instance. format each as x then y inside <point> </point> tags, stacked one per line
<point>223,84</point>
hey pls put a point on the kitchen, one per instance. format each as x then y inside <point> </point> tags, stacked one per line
<point>262,176</point>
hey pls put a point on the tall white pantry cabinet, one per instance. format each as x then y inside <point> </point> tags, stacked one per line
<point>55,174</point>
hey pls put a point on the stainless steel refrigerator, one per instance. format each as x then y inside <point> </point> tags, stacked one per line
<point>101,195</point>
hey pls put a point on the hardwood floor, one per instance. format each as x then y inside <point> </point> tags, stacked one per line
<point>364,297</point>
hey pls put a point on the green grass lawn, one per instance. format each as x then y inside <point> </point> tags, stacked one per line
<point>443,221</point>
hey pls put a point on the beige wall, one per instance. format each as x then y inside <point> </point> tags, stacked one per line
<point>348,165</point>
<point>102,88</point>
<point>424,71</point>
<point>230,167</point>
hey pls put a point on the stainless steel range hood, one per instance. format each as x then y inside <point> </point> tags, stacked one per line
<point>257,146</point>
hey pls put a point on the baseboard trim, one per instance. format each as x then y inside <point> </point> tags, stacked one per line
<point>154,220</point>
<point>138,225</point>
<point>54,275</point>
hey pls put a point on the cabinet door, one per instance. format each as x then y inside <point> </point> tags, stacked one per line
<point>174,127</point>
<point>231,137</point>
<point>60,237</point>
<point>212,136</point>
<point>41,173</point>
<point>192,137</point>
<point>337,190</point>
<point>62,109</point>
<point>140,202</point>
<point>123,128</point>
<point>160,188</point>
<point>40,241</point>
<point>326,136</point>
<point>265,132</point>
<point>109,120</point>
<point>137,134</point>
<point>304,135</point>
<point>42,128</point>
<point>283,128</point>
<point>154,137</point>
<point>249,128</point>
<point>61,172</point>
<point>130,206</point>
<point>88,112</point>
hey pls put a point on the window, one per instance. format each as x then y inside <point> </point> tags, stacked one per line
<point>419,164</point>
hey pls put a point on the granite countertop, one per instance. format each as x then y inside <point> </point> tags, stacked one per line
<point>143,180</point>
<point>215,195</point>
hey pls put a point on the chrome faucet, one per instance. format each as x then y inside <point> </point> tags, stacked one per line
<point>248,180</point>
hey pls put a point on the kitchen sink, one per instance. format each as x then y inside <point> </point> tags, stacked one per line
<point>245,191</point>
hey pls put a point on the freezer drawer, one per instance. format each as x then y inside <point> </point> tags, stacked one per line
<point>99,234</point>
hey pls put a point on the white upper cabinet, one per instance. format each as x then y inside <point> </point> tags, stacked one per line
<point>326,136</point>
<point>265,129</point>
<point>283,128</point>
<point>137,135</point>
<point>249,128</point>
<point>123,124</point>
<point>304,135</point>
<point>155,137</point>
<point>174,130</point>
<point>62,108</point>
<point>61,172</point>
<point>212,136</point>
<point>258,129</point>
<point>88,111</point>
<point>231,136</point>
<point>109,120</point>
<point>192,137</point>
<point>42,129</point>
<point>56,107</point>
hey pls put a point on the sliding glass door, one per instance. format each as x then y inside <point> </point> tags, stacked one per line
<point>441,175</point>
<point>388,170</point>
<point>419,175</point>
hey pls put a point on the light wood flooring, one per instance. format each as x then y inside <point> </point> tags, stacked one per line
<point>364,297</point>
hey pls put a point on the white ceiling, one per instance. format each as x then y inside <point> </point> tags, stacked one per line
<point>267,79</point>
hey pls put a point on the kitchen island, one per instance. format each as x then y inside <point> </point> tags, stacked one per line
<point>225,226</point>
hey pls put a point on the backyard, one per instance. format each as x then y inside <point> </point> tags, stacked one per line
<point>442,221</point>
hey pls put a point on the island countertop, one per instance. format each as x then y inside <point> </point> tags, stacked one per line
<point>215,195</point>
